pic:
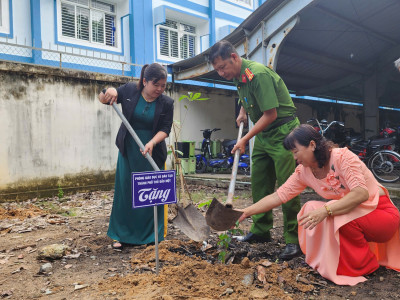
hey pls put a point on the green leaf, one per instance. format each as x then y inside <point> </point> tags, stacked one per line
<point>221,256</point>
<point>223,236</point>
<point>201,99</point>
<point>206,203</point>
<point>185,106</point>
<point>179,152</point>
<point>195,96</point>
<point>183,97</point>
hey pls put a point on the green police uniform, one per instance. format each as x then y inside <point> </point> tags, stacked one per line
<point>261,89</point>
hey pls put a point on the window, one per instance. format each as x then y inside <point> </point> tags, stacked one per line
<point>89,20</point>
<point>4,17</point>
<point>176,40</point>
<point>245,3</point>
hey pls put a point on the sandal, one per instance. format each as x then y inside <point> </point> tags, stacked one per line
<point>117,245</point>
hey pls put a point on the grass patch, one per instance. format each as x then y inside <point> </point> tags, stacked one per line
<point>201,196</point>
<point>54,208</point>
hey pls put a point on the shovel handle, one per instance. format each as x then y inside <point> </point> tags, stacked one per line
<point>235,165</point>
<point>135,137</point>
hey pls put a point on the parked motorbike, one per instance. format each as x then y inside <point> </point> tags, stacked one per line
<point>377,153</point>
<point>391,132</point>
<point>244,159</point>
<point>384,163</point>
<point>224,160</point>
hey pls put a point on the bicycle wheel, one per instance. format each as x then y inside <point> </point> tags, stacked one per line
<point>385,165</point>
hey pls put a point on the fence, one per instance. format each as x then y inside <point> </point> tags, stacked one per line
<point>69,58</point>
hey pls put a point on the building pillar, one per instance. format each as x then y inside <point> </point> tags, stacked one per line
<point>36,31</point>
<point>371,106</point>
<point>211,15</point>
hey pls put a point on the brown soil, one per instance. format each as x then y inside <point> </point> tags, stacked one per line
<point>188,270</point>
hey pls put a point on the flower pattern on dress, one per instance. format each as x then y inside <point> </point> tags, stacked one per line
<point>334,182</point>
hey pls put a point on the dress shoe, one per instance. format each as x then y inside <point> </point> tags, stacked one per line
<point>290,251</point>
<point>253,238</point>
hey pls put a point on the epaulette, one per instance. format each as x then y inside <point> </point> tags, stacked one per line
<point>249,74</point>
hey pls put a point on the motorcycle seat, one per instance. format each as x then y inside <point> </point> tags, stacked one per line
<point>229,143</point>
<point>383,142</point>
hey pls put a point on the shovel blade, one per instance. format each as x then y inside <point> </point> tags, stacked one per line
<point>220,217</point>
<point>192,223</point>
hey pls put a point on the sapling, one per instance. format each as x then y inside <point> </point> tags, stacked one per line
<point>60,192</point>
<point>225,239</point>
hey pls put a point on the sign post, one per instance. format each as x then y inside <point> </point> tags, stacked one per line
<point>153,189</point>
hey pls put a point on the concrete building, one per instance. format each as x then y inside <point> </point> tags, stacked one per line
<point>102,35</point>
<point>55,57</point>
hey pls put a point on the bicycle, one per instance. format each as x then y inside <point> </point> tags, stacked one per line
<point>333,131</point>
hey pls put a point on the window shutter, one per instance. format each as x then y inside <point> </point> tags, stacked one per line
<point>188,41</point>
<point>82,2</point>
<point>107,7</point>
<point>192,46</point>
<point>174,44</point>
<point>68,20</point>
<point>110,30</point>
<point>164,41</point>
<point>92,21</point>
<point>97,27</point>
<point>82,23</point>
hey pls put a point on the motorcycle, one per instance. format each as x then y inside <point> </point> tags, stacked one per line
<point>244,159</point>
<point>376,153</point>
<point>391,132</point>
<point>224,160</point>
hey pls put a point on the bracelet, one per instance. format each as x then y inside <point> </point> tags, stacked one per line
<point>328,210</point>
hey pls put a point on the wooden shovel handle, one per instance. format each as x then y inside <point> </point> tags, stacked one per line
<point>235,165</point>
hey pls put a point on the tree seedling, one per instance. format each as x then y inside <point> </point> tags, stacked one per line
<point>60,192</point>
<point>225,239</point>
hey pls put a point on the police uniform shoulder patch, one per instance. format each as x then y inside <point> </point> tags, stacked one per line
<point>249,74</point>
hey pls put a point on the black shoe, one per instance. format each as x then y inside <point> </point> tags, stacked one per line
<point>253,238</point>
<point>291,251</point>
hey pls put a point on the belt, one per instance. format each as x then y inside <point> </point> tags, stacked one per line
<point>280,122</point>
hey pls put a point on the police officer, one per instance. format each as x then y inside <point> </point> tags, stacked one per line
<point>265,97</point>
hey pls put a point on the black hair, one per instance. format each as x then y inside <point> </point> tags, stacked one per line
<point>153,72</point>
<point>303,135</point>
<point>222,49</point>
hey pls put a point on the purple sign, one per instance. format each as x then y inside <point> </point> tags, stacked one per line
<point>153,188</point>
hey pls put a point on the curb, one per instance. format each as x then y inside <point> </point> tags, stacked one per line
<point>243,183</point>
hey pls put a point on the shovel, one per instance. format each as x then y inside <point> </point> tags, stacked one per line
<point>223,217</point>
<point>189,220</point>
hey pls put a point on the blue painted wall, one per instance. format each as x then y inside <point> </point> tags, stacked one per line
<point>35,23</point>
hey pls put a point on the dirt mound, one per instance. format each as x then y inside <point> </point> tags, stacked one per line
<point>184,277</point>
<point>20,213</point>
